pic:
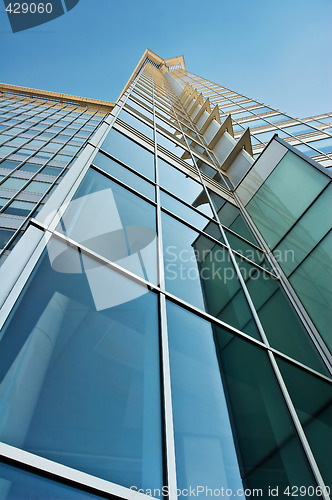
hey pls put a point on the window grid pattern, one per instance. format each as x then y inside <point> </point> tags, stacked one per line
<point>178,158</point>
<point>39,139</point>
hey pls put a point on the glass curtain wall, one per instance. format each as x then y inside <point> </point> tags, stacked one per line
<point>152,344</point>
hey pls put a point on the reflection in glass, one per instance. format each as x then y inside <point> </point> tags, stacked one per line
<point>124,174</point>
<point>312,398</point>
<point>79,370</point>
<point>281,324</point>
<point>312,281</point>
<point>18,484</point>
<point>183,186</point>
<point>226,398</point>
<point>284,196</point>
<point>110,220</point>
<point>129,152</point>
<point>136,123</point>
<point>199,271</point>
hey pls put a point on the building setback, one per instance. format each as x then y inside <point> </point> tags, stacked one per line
<point>165,293</point>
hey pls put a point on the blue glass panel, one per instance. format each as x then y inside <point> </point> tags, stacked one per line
<point>79,370</point>
<point>129,152</point>
<point>227,402</point>
<point>112,221</point>
<point>18,484</point>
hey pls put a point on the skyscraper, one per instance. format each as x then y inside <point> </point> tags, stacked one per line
<point>165,314</point>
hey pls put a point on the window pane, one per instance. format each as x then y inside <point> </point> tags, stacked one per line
<point>284,196</point>
<point>136,124</point>
<point>282,326</point>
<point>5,235</point>
<point>13,183</point>
<point>307,232</point>
<point>227,402</point>
<point>123,174</point>
<point>113,222</point>
<point>200,272</point>
<point>129,152</point>
<point>183,186</point>
<point>312,282</point>
<point>312,400</point>
<point>37,187</point>
<point>22,208</point>
<point>18,484</point>
<point>92,399</point>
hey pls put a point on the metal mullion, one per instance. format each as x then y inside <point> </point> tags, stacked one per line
<point>166,375</point>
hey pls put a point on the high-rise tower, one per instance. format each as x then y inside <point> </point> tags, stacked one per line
<point>165,313</point>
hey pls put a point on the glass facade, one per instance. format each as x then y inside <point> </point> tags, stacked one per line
<point>154,335</point>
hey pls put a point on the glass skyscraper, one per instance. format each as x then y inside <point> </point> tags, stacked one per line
<point>165,293</point>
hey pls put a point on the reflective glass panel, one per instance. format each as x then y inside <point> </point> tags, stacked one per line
<point>199,271</point>
<point>232,427</point>
<point>79,370</point>
<point>312,281</point>
<point>312,398</point>
<point>306,233</point>
<point>284,196</point>
<point>129,152</point>
<point>18,484</point>
<point>125,175</point>
<point>282,326</point>
<point>115,223</point>
<point>136,124</point>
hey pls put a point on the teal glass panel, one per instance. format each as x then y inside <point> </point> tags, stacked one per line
<point>18,484</point>
<point>115,223</point>
<point>199,271</point>
<point>282,326</point>
<point>129,152</point>
<point>140,109</point>
<point>312,281</point>
<point>312,398</point>
<point>231,217</point>
<point>125,175</point>
<point>226,399</point>
<point>284,196</point>
<point>307,232</point>
<point>204,444</point>
<point>181,210</point>
<point>136,124</point>
<point>79,370</point>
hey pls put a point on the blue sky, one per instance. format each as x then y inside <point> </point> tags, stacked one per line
<point>278,52</point>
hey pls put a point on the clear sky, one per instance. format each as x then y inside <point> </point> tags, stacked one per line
<point>278,52</point>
